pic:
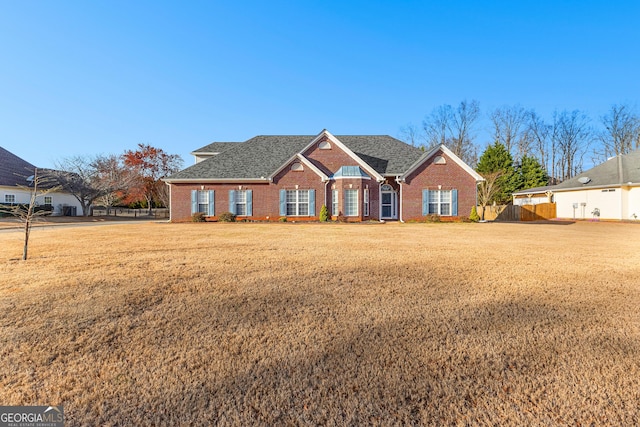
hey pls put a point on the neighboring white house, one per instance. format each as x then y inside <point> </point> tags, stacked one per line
<point>13,174</point>
<point>610,190</point>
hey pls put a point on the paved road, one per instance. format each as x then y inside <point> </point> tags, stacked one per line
<point>13,227</point>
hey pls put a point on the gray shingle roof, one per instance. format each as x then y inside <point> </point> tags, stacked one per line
<point>215,147</point>
<point>262,155</point>
<point>13,169</point>
<point>615,171</point>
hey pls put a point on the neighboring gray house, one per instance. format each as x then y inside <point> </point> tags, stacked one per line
<point>610,190</point>
<point>14,172</point>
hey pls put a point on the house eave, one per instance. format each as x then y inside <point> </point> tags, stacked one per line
<point>215,180</point>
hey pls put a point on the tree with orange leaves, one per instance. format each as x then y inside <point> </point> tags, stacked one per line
<point>150,165</point>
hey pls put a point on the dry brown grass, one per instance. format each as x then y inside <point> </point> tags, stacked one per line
<point>287,324</point>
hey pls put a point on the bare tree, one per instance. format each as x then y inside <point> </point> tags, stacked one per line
<point>542,144</point>
<point>571,135</point>
<point>454,128</point>
<point>621,132</point>
<point>113,177</point>
<point>411,134</point>
<point>510,124</point>
<point>40,185</point>
<point>89,178</point>
<point>488,189</point>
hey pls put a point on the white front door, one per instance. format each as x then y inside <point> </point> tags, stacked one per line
<point>389,205</point>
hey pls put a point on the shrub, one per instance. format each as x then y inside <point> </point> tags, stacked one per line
<point>324,213</point>
<point>432,218</point>
<point>474,217</point>
<point>198,217</point>
<point>282,219</point>
<point>227,217</point>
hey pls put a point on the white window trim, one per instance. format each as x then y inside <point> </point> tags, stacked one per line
<point>440,203</point>
<point>7,196</point>
<point>334,203</point>
<point>350,191</point>
<point>243,203</point>
<point>365,196</point>
<point>297,202</point>
<point>203,200</point>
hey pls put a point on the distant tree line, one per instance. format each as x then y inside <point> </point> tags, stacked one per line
<point>131,178</point>
<point>560,144</point>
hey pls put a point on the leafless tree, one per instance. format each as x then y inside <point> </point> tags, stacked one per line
<point>541,142</point>
<point>621,133</point>
<point>89,178</point>
<point>488,189</point>
<point>571,134</point>
<point>412,135</point>
<point>40,185</point>
<point>454,128</point>
<point>113,177</point>
<point>510,128</point>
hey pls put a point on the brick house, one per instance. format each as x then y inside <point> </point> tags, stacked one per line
<point>359,177</point>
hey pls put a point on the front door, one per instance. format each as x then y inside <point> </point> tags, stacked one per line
<point>389,205</point>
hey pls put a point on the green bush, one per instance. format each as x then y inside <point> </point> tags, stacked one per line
<point>282,219</point>
<point>474,215</point>
<point>324,213</point>
<point>198,217</point>
<point>226,217</point>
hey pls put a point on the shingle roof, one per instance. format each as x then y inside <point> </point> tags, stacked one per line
<point>13,169</point>
<point>387,155</point>
<point>615,171</point>
<point>215,147</point>
<point>260,156</point>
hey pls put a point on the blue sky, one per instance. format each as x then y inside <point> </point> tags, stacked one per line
<point>90,77</point>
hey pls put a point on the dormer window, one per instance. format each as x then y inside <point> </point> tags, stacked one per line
<point>297,167</point>
<point>324,145</point>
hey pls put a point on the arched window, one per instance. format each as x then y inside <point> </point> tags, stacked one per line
<point>324,145</point>
<point>297,167</point>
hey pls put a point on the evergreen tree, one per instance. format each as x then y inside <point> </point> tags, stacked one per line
<point>532,173</point>
<point>497,159</point>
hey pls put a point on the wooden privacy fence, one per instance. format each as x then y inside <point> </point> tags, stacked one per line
<point>539,212</point>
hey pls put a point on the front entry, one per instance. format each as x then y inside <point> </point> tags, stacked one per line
<point>389,203</point>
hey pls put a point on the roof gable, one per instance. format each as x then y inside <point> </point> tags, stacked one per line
<point>429,154</point>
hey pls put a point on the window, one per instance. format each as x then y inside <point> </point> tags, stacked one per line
<point>334,203</point>
<point>324,145</point>
<point>241,202</point>
<point>365,196</point>
<point>297,202</point>
<point>351,202</point>
<point>203,202</point>
<point>440,202</point>
<point>9,198</point>
<point>48,200</point>
<point>297,167</point>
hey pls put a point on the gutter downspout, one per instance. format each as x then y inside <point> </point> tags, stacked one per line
<point>325,199</point>
<point>170,210</point>
<point>400,209</point>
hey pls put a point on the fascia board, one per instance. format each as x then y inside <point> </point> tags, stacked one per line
<point>214,180</point>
